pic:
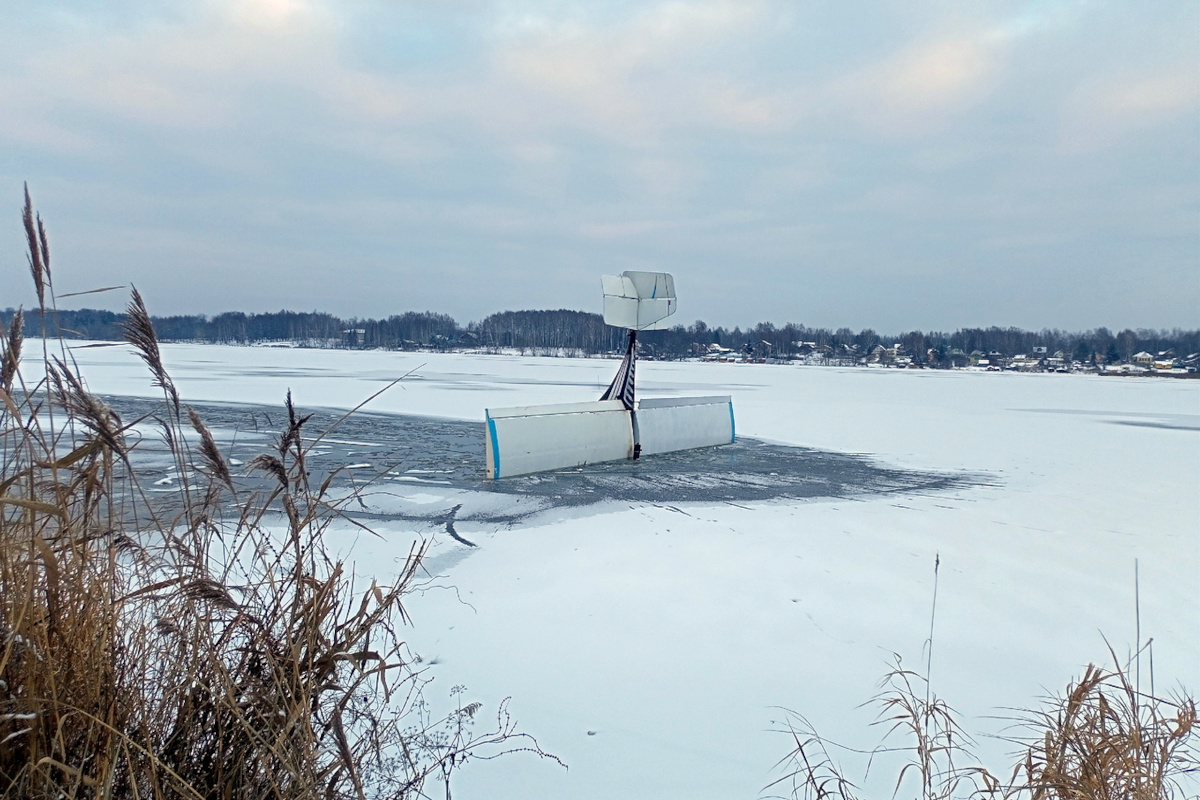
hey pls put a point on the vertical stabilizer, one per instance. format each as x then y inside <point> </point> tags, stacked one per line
<point>621,387</point>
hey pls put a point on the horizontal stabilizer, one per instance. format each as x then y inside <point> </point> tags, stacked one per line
<point>529,439</point>
<point>665,425</point>
<point>539,438</point>
<point>640,301</point>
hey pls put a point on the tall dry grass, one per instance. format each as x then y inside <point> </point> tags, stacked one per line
<point>205,645</point>
<point>917,723</point>
<point>1102,739</point>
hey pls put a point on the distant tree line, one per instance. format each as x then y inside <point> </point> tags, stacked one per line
<point>938,348</point>
<point>546,330</point>
<point>579,332</point>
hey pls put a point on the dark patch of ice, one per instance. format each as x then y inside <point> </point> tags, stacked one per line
<point>423,466</point>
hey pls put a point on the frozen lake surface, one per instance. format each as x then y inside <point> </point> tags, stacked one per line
<point>650,619</point>
<point>445,456</point>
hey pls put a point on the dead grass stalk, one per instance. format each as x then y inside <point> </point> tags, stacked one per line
<point>205,646</point>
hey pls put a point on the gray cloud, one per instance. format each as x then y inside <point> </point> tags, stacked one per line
<point>895,165</point>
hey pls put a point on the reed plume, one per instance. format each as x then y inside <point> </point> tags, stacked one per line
<point>11,357</point>
<point>139,332</point>
<point>39,252</point>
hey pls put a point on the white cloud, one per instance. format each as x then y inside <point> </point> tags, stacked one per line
<point>1103,112</point>
<point>273,17</point>
<point>920,87</point>
<point>634,80</point>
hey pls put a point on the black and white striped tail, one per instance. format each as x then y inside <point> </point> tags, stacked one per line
<point>622,386</point>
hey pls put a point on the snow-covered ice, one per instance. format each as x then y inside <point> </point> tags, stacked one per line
<point>649,645</point>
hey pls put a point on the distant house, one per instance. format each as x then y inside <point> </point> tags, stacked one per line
<point>1143,359</point>
<point>717,353</point>
<point>1022,362</point>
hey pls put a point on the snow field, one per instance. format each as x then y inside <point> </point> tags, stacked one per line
<point>672,634</point>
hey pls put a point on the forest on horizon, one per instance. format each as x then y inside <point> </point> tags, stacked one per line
<point>586,334</point>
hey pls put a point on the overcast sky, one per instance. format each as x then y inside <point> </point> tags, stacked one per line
<point>894,164</point>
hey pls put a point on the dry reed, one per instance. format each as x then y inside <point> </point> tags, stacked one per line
<point>939,764</point>
<point>1102,740</point>
<point>1105,739</point>
<point>206,646</point>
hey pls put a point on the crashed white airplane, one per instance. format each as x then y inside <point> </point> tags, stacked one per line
<point>529,439</point>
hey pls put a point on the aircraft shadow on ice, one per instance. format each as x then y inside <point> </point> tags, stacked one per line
<point>432,470</point>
